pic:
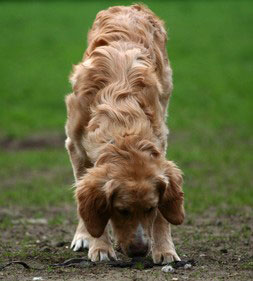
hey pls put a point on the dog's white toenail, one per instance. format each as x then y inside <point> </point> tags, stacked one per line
<point>104,256</point>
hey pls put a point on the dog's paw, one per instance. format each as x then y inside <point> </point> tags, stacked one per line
<point>105,253</point>
<point>79,242</point>
<point>164,256</point>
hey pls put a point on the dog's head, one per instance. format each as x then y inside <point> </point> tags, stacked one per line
<point>130,183</point>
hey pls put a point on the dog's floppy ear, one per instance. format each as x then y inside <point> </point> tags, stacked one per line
<point>171,203</point>
<point>93,196</point>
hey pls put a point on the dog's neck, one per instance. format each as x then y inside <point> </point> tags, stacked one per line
<point>95,146</point>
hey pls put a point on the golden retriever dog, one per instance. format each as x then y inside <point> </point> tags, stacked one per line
<point>117,137</point>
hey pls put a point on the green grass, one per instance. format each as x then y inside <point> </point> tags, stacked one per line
<point>211,119</point>
<point>38,178</point>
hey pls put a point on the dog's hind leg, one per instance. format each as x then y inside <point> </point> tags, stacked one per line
<point>78,159</point>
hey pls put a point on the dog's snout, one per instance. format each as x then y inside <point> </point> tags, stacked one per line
<point>138,250</point>
<point>139,246</point>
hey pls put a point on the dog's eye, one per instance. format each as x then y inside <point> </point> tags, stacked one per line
<point>149,210</point>
<point>124,212</point>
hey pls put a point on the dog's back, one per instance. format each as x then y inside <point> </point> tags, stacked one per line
<point>124,82</point>
<point>136,24</point>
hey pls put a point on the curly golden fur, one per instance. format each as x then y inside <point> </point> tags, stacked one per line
<point>117,136</point>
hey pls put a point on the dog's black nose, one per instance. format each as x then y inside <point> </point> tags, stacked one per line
<point>137,250</point>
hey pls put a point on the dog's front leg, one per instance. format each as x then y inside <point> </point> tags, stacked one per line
<point>100,249</point>
<point>81,237</point>
<point>163,250</point>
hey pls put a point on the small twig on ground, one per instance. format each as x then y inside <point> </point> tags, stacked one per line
<point>137,263</point>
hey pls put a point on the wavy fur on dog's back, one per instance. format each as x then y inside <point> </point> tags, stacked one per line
<point>124,81</point>
<point>138,25</point>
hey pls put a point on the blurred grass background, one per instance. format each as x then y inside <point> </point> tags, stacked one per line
<point>210,114</point>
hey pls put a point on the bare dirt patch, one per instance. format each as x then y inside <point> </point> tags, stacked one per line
<point>220,244</point>
<point>38,141</point>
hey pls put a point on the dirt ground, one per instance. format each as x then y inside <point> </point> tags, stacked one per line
<point>36,141</point>
<point>221,246</point>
